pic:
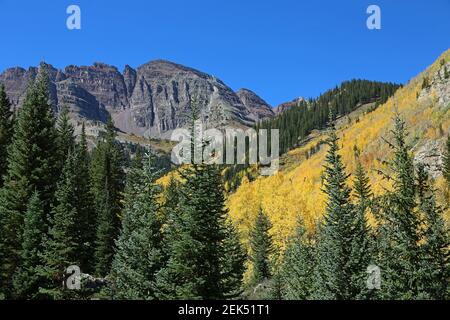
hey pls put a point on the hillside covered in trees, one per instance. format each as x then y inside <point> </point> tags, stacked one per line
<point>297,122</point>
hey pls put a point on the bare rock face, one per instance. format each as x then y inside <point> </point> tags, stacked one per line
<point>258,109</point>
<point>104,82</point>
<point>431,155</point>
<point>439,86</point>
<point>151,100</point>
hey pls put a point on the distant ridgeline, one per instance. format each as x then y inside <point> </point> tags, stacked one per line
<point>297,122</point>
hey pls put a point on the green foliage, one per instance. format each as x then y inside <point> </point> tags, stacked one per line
<point>139,255</point>
<point>435,267</point>
<point>197,233</point>
<point>26,279</point>
<point>400,253</point>
<point>296,123</point>
<point>342,246</point>
<point>6,131</point>
<point>62,243</point>
<point>84,201</point>
<point>233,263</point>
<point>32,166</point>
<point>299,265</point>
<point>66,140</point>
<point>261,248</point>
<point>107,186</point>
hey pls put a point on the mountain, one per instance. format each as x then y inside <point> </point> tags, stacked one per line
<point>288,105</point>
<point>424,104</point>
<point>257,107</point>
<point>151,100</point>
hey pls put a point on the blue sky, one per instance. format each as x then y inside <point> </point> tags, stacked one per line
<point>281,49</point>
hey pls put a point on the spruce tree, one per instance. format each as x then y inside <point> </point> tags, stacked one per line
<point>297,271</point>
<point>84,201</point>
<point>335,261</point>
<point>139,254</point>
<point>197,236</point>
<point>62,243</point>
<point>197,231</point>
<point>66,140</point>
<point>26,279</point>
<point>435,270</point>
<point>6,131</point>
<point>261,247</point>
<point>400,228</point>
<point>233,263</point>
<point>363,243</point>
<point>446,162</point>
<point>32,166</point>
<point>107,186</point>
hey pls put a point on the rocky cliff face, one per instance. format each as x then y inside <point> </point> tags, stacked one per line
<point>258,108</point>
<point>288,105</point>
<point>151,100</point>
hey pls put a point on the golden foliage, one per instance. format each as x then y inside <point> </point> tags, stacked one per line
<point>296,190</point>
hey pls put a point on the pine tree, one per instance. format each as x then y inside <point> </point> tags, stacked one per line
<point>6,131</point>
<point>66,140</point>
<point>362,244</point>
<point>85,205</point>
<point>196,233</point>
<point>335,261</point>
<point>446,162</point>
<point>435,270</point>
<point>400,229</point>
<point>32,166</point>
<point>298,267</point>
<point>62,242</point>
<point>26,280</point>
<point>139,254</point>
<point>107,186</point>
<point>233,263</point>
<point>261,247</point>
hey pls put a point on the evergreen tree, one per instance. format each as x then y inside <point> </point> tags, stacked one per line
<point>261,248</point>
<point>84,202</point>
<point>362,245</point>
<point>298,267</point>
<point>66,140</point>
<point>335,261</point>
<point>62,242</point>
<point>32,166</point>
<point>297,122</point>
<point>107,186</point>
<point>436,264</point>
<point>26,280</point>
<point>400,229</point>
<point>6,131</point>
<point>196,234</point>
<point>233,263</point>
<point>139,254</point>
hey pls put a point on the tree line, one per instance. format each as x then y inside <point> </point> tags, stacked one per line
<point>296,123</point>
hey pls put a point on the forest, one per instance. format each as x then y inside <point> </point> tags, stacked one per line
<point>64,205</point>
<point>298,121</point>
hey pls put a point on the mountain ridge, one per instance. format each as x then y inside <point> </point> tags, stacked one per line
<point>150,100</point>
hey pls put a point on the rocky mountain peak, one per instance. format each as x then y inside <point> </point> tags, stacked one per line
<point>258,108</point>
<point>151,100</point>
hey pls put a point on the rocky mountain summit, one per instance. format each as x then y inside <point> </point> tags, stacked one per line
<point>151,100</point>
